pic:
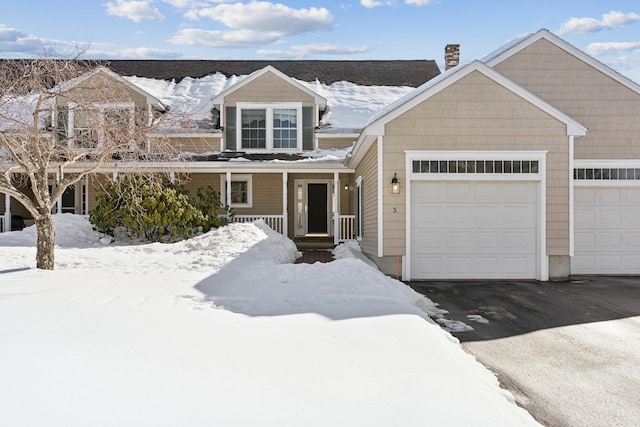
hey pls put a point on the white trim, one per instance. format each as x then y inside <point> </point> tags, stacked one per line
<point>336,135</point>
<point>605,164</point>
<point>305,204</point>
<point>218,167</point>
<point>542,272</point>
<point>381,187</point>
<point>7,213</point>
<point>225,185</point>
<point>269,108</point>
<point>335,212</point>
<point>512,48</point>
<point>571,198</point>
<point>85,191</point>
<point>285,205</point>
<point>359,209</point>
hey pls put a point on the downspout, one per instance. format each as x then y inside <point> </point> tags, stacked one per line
<point>571,196</point>
<point>380,198</point>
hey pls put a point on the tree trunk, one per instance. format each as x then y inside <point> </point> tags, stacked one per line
<point>46,242</point>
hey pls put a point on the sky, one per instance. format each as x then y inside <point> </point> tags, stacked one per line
<point>314,29</point>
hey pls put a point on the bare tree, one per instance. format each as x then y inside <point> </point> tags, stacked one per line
<point>61,120</point>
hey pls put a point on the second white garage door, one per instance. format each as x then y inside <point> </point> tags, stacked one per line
<point>607,230</point>
<point>474,230</point>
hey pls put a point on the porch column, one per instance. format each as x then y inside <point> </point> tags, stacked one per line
<point>285,210</point>
<point>228,189</point>
<point>59,201</point>
<point>86,195</point>
<point>336,212</point>
<point>7,212</point>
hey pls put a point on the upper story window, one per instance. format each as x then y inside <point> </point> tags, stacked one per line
<point>271,127</point>
<point>97,124</point>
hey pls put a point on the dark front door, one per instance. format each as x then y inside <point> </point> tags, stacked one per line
<point>317,213</point>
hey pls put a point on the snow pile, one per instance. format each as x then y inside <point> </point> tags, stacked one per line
<point>194,333</point>
<point>349,105</point>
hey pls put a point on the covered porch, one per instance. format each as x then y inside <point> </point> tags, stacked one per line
<point>315,207</point>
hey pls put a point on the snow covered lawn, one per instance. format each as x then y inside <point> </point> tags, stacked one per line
<point>223,330</point>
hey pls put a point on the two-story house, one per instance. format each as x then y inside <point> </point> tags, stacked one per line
<point>522,165</point>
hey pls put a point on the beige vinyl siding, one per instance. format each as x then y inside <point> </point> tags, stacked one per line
<point>195,180</point>
<point>196,144</point>
<point>103,88</point>
<point>95,183</point>
<point>268,88</point>
<point>345,195</point>
<point>368,169</point>
<point>338,143</point>
<point>266,191</point>
<point>17,209</point>
<point>476,113</point>
<point>608,109</point>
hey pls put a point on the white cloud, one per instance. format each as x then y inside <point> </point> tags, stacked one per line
<point>15,41</point>
<point>252,24</point>
<point>604,48</point>
<point>369,4</point>
<point>146,53</point>
<point>267,17</point>
<point>609,20</point>
<point>419,2</point>
<point>135,10</point>
<point>303,51</point>
<point>222,39</point>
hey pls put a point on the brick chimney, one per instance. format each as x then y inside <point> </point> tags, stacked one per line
<point>451,56</point>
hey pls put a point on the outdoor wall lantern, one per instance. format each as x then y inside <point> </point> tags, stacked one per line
<point>395,185</point>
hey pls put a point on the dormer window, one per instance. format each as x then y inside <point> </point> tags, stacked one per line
<point>91,126</point>
<point>270,127</point>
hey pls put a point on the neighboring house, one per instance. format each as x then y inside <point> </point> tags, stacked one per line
<point>524,165</point>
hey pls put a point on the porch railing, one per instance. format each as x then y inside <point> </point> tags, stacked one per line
<point>276,222</point>
<point>347,228</point>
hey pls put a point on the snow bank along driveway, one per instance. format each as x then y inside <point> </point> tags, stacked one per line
<point>224,330</point>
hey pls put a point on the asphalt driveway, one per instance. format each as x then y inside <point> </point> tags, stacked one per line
<point>568,351</point>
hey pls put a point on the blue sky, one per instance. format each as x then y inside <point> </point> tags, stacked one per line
<point>314,29</point>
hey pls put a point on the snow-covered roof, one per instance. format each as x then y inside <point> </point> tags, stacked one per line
<point>349,106</point>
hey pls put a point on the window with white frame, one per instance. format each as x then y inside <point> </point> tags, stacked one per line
<point>241,190</point>
<point>270,127</point>
<point>98,123</point>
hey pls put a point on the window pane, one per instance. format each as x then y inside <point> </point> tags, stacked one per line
<point>85,128</point>
<point>285,125</point>
<point>239,192</point>
<point>254,129</point>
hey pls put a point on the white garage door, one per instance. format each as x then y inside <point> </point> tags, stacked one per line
<point>473,230</point>
<point>607,231</point>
